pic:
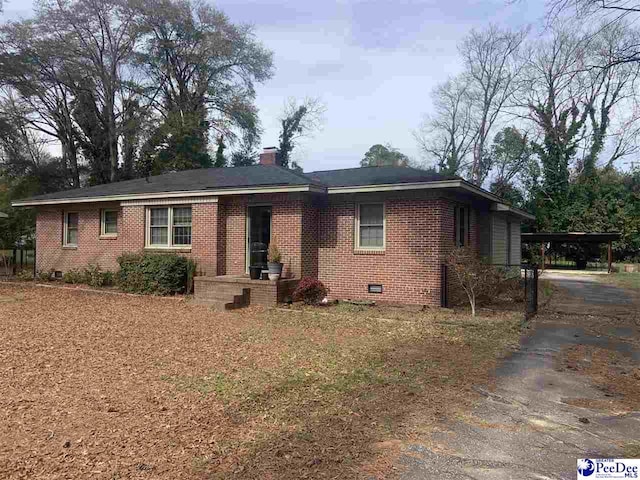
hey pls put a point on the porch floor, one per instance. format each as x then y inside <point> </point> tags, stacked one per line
<point>234,291</point>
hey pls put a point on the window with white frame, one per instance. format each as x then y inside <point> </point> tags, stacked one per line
<point>70,234</point>
<point>370,226</point>
<point>109,223</point>
<point>169,227</point>
<point>461,220</point>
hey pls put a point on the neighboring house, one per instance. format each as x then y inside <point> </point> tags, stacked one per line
<point>379,233</point>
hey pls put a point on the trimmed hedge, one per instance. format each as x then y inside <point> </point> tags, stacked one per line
<point>158,273</point>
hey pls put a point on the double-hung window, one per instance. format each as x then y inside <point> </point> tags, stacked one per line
<point>169,227</point>
<point>109,223</point>
<point>370,226</point>
<point>461,219</point>
<point>70,234</point>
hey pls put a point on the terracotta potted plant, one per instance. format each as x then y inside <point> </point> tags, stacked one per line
<point>274,263</point>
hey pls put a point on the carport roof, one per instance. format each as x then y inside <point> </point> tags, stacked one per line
<point>578,237</point>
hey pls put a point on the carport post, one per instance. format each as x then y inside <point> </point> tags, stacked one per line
<point>609,256</point>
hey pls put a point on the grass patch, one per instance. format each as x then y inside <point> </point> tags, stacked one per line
<point>212,383</point>
<point>631,450</point>
<point>547,289</point>
<point>624,280</point>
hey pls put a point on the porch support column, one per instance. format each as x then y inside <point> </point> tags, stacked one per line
<point>542,255</point>
<point>609,256</point>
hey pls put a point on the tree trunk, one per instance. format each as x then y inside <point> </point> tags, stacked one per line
<point>70,158</point>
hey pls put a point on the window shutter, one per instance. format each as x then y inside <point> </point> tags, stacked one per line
<point>455,226</point>
<point>468,226</point>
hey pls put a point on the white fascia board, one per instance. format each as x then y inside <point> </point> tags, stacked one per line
<point>501,207</point>
<point>162,195</point>
<point>498,205</point>
<point>394,187</point>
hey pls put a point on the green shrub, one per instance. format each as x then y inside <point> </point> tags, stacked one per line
<point>93,275</point>
<point>24,275</point>
<point>108,278</point>
<point>157,273</point>
<point>46,275</point>
<point>73,276</point>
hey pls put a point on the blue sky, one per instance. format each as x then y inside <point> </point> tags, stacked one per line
<point>373,64</point>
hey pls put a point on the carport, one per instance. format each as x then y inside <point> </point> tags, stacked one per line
<point>577,238</point>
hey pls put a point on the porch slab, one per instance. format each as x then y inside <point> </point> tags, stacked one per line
<point>255,292</point>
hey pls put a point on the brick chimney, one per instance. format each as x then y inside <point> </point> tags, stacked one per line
<point>269,156</point>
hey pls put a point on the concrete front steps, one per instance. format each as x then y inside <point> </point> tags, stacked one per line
<point>229,292</point>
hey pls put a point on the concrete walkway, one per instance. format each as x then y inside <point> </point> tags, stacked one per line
<point>524,429</point>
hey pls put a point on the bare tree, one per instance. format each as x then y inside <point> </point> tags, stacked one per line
<point>468,107</point>
<point>100,38</point>
<point>491,70</point>
<point>609,89</point>
<point>510,158</point>
<point>572,104</point>
<point>608,12</point>
<point>201,70</point>
<point>37,86</point>
<point>298,120</point>
<point>554,100</point>
<point>476,277</point>
<point>448,136</point>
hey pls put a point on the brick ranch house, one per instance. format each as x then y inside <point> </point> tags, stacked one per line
<point>379,233</point>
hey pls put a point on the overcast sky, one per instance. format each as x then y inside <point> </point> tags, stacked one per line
<point>373,63</point>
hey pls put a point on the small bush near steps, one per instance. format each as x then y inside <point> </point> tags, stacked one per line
<point>310,291</point>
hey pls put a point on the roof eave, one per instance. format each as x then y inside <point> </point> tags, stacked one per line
<point>502,207</point>
<point>459,183</point>
<point>172,194</point>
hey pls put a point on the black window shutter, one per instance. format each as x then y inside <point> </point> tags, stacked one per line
<point>468,226</point>
<point>455,226</point>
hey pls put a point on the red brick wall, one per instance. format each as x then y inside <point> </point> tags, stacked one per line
<point>51,254</point>
<point>315,240</point>
<point>408,269</point>
<point>91,249</point>
<point>310,235</point>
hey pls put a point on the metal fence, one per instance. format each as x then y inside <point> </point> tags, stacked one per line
<point>530,290</point>
<point>524,277</point>
<point>16,260</point>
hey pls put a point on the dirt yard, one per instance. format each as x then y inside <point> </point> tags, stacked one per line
<point>113,387</point>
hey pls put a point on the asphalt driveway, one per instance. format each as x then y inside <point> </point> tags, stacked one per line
<point>544,412</point>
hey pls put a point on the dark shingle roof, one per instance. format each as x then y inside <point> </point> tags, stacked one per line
<point>247,177</point>
<point>351,177</point>
<point>190,180</point>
